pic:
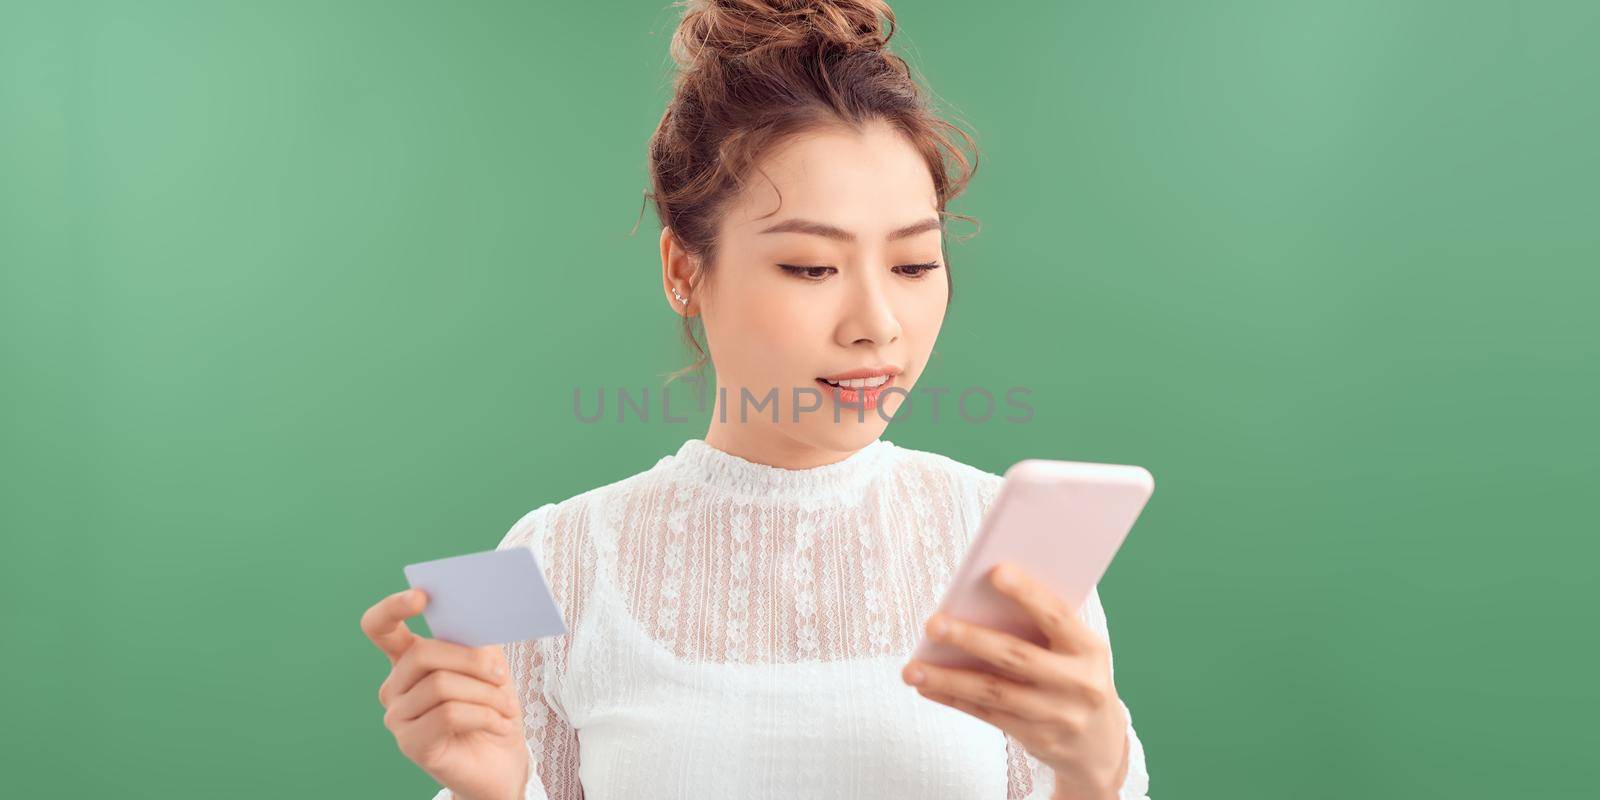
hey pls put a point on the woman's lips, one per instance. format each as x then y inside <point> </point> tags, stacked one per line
<point>865,397</point>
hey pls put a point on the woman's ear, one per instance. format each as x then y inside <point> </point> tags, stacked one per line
<point>677,274</point>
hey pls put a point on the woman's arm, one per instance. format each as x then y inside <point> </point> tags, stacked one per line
<point>1031,780</point>
<point>552,743</point>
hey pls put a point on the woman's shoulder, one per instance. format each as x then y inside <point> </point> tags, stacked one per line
<point>567,519</point>
<point>964,490</point>
<point>940,466</point>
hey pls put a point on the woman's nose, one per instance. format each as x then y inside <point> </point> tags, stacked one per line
<point>870,319</point>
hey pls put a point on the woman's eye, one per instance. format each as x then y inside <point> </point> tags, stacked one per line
<point>808,273</point>
<point>819,273</point>
<point>918,270</point>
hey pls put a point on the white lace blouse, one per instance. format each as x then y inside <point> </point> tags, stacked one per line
<point>737,630</point>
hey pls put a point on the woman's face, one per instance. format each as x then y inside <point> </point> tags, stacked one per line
<point>848,274</point>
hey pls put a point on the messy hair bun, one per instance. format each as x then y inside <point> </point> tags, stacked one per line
<point>750,28</point>
<point>752,74</point>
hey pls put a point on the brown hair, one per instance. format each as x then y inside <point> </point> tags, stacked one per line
<point>753,73</point>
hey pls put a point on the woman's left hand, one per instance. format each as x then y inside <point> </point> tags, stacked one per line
<point>1065,711</point>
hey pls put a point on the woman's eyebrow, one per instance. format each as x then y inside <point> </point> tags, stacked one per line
<point>823,229</point>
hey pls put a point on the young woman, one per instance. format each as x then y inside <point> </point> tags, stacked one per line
<point>741,614</point>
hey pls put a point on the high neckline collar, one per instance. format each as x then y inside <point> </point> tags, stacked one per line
<point>697,460</point>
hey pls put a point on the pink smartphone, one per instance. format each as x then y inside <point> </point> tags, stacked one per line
<point>1061,522</point>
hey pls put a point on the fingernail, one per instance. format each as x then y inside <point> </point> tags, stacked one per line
<point>940,627</point>
<point>914,676</point>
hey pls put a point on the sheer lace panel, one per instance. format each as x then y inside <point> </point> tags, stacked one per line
<point>730,561</point>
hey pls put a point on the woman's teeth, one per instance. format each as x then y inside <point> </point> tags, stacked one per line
<point>860,383</point>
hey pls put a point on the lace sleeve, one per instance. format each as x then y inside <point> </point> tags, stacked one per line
<point>537,664</point>
<point>1030,780</point>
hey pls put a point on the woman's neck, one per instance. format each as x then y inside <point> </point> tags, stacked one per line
<point>768,444</point>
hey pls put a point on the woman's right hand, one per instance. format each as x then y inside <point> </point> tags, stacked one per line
<point>452,709</point>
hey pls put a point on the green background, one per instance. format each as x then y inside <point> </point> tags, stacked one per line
<point>295,293</point>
